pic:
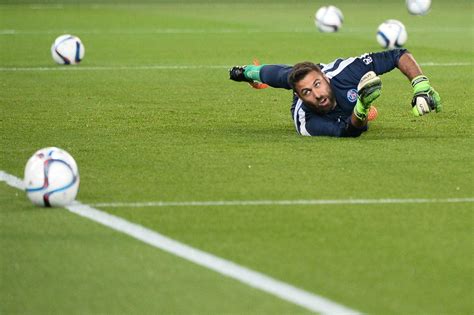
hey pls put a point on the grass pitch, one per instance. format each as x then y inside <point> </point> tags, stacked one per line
<point>150,115</point>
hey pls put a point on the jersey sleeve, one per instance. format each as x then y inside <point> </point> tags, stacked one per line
<point>386,61</point>
<point>346,73</point>
<point>379,62</point>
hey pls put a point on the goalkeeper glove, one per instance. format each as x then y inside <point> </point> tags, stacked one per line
<point>425,98</point>
<point>369,88</point>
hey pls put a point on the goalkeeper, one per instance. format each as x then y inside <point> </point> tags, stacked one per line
<point>334,99</point>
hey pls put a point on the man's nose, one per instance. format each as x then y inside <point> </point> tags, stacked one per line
<point>316,94</point>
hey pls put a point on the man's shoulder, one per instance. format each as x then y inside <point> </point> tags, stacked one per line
<point>340,66</point>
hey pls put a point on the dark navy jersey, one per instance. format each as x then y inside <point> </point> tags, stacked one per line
<point>344,76</point>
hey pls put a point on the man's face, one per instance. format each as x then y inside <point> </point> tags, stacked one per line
<point>314,90</point>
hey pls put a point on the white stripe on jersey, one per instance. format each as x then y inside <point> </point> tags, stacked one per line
<point>339,68</point>
<point>300,115</point>
<point>326,66</point>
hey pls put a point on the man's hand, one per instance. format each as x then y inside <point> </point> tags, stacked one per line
<point>369,88</point>
<point>425,98</point>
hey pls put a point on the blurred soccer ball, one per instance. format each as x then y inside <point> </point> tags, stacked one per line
<point>418,7</point>
<point>328,19</point>
<point>373,113</point>
<point>51,178</point>
<point>391,34</point>
<point>67,50</point>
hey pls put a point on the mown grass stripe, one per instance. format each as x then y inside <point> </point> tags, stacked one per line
<point>170,67</point>
<point>227,268</point>
<point>280,202</point>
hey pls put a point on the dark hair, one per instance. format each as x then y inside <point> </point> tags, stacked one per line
<point>300,70</point>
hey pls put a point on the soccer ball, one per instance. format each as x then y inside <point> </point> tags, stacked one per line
<point>67,50</point>
<point>328,19</point>
<point>51,178</point>
<point>391,34</point>
<point>418,7</point>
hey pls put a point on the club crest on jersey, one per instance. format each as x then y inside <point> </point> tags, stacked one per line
<point>352,95</point>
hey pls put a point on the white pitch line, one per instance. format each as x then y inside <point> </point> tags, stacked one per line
<point>280,202</point>
<point>102,68</point>
<point>152,31</point>
<point>184,31</point>
<point>445,64</point>
<point>169,67</point>
<point>227,268</point>
<point>285,291</point>
<point>11,180</point>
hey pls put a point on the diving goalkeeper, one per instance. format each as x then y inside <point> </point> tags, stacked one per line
<point>334,99</point>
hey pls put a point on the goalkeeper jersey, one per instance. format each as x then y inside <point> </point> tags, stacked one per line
<point>344,76</point>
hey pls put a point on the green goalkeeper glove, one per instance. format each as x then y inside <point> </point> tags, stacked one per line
<point>369,88</point>
<point>425,98</point>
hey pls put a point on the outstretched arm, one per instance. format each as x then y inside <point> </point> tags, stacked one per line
<point>425,98</point>
<point>408,66</point>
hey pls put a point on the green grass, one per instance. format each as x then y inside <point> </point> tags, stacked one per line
<point>191,134</point>
<point>55,262</point>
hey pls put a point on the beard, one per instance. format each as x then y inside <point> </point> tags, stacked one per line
<point>326,104</point>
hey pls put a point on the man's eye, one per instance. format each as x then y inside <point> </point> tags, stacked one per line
<point>305,92</point>
<point>317,84</point>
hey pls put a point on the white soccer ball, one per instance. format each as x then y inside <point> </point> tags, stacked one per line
<point>328,19</point>
<point>392,34</point>
<point>51,178</point>
<point>418,7</point>
<point>67,50</point>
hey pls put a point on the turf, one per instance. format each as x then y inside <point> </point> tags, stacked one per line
<point>54,262</point>
<point>189,134</point>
